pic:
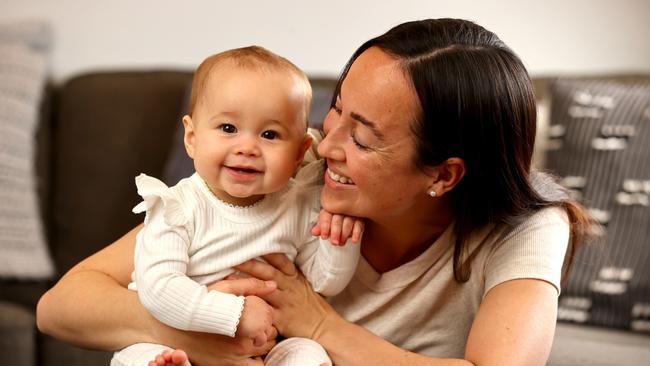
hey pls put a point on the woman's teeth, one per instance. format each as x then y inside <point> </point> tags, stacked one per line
<point>337,178</point>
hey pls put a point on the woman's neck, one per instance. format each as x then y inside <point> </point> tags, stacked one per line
<point>393,243</point>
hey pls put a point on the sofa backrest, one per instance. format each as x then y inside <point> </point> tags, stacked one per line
<point>105,129</point>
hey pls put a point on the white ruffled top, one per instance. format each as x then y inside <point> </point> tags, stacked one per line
<point>192,239</point>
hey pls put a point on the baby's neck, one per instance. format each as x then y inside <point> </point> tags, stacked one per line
<point>236,201</point>
<point>241,201</point>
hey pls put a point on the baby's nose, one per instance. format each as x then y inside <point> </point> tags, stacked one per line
<point>247,146</point>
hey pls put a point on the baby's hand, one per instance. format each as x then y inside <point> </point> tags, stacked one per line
<point>256,321</point>
<point>338,228</point>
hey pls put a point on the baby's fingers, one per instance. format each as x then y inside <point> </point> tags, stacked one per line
<point>346,229</point>
<point>357,231</point>
<point>336,229</point>
<point>324,223</point>
<point>315,231</point>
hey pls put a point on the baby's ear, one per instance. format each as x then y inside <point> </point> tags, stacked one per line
<point>304,146</point>
<point>188,136</point>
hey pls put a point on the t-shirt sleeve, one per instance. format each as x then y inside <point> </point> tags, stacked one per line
<point>535,249</point>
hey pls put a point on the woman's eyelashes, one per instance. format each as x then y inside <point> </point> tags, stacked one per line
<point>357,143</point>
<point>353,136</point>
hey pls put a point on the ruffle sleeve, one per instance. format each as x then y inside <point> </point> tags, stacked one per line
<point>154,191</point>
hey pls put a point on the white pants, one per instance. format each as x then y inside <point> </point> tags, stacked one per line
<point>290,352</point>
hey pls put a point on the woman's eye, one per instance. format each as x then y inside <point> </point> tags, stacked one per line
<point>337,109</point>
<point>359,144</point>
<point>228,128</point>
<point>270,135</point>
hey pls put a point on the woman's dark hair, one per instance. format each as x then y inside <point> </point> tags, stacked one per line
<point>477,104</point>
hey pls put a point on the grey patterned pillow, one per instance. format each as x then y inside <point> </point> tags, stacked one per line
<point>599,144</point>
<point>23,250</point>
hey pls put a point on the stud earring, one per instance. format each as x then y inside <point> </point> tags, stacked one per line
<point>432,193</point>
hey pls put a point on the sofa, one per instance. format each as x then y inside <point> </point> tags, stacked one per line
<point>97,131</point>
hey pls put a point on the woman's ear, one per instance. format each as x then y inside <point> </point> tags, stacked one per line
<point>446,176</point>
<point>188,136</point>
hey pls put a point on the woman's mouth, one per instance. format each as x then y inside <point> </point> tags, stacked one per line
<point>339,178</point>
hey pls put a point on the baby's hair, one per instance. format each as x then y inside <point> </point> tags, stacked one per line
<point>253,58</point>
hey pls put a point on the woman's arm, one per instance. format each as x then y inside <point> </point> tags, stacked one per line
<point>79,309</point>
<point>514,325</point>
<point>91,307</point>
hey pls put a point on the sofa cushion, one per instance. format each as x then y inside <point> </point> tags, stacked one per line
<point>598,145</point>
<point>23,70</point>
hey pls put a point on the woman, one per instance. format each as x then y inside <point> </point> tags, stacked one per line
<point>433,126</point>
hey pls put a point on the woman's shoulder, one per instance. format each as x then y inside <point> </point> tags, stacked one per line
<point>534,248</point>
<point>552,215</point>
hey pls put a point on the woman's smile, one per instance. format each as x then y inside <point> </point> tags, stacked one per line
<point>339,178</point>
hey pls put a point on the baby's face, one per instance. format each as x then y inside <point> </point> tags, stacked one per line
<point>248,134</point>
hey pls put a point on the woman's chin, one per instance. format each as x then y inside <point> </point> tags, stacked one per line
<point>336,204</point>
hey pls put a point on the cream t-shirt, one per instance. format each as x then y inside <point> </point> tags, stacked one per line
<point>420,307</point>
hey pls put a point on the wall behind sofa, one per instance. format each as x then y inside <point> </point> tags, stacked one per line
<point>584,36</point>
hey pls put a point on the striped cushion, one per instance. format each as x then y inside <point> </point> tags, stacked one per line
<point>23,250</point>
<point>599,145</point>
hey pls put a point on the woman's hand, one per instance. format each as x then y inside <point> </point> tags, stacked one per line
<point>299,311</point>
<point>91,307</point>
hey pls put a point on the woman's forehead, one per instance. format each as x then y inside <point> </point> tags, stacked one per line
<point>377,88</point>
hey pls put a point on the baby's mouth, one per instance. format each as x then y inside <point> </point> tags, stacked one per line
<point>339,178</point>
<point>245,170</point>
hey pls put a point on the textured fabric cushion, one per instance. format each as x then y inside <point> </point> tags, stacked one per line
<point>599,146</point>
<point>23,59</point>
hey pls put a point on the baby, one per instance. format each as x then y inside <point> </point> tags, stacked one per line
<point>247,133</point>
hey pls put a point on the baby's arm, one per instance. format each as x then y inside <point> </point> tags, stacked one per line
<point>173,298</point>
<point>338,228</point>
<point>329,267</point>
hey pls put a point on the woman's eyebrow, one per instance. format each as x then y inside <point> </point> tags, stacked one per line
<point>368,123</point>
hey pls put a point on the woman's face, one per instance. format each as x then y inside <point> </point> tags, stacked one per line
<point>369,147</point>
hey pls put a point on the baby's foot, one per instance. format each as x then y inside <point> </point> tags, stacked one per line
<point>171,358</point>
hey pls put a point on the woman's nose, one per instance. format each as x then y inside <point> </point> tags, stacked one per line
<point>330,147</point>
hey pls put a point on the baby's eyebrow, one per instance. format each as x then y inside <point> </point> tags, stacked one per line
<point>370,124</point>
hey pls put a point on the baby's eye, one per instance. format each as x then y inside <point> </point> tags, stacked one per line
<point>270,135</point>
<point>227,128</point>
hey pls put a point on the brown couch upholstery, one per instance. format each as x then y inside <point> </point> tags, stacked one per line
<point>98,131</point>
